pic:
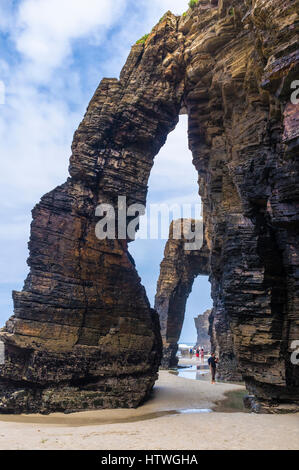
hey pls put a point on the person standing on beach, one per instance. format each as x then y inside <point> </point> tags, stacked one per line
<point>197,353</point>
<point>202,355</point>
<point>212,361</point>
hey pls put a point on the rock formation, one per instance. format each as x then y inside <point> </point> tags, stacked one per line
<point>83,334</point>
<point>202,325</point>
<point>178,270</point>
<point>222,344</point>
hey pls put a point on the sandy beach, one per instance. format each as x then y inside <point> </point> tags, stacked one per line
<point>176,417</point>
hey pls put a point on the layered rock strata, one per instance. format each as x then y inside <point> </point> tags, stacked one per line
<point>222,344</point>
<point>83,334</point>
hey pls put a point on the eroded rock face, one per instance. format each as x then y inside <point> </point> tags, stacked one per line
<point>83,334</point>
<point>202,325</point>
<point>222,345</point>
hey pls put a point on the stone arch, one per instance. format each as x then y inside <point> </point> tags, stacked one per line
<point>83,334</point>
<point>178,271</point>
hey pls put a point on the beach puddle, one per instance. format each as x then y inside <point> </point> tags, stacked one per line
<point>196,372</point>
<point>196,411</point>
<point>233,403</point>
<point>83,419</point>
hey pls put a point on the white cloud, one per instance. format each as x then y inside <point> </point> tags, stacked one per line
<point>175,6</point>
<point>35,143</point>
<point>173,166</point>
<point>45,29</point>
<point>45,102</point>
<point>6,15</point>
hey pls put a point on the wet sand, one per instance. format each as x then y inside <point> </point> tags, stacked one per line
<point>178,416</point>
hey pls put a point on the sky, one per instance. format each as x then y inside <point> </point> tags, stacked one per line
<point>53,54</point>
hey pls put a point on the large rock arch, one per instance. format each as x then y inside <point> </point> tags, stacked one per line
<point>83,334</point>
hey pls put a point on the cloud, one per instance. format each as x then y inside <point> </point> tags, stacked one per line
<point>173,166</point>
<point>175,6</point>
<point>6,15</point>
<point>45,29</point>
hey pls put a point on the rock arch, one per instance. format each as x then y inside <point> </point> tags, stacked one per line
<point>83,334</point>
<point>178,271</point>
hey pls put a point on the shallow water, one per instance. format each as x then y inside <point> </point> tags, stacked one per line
<point>195,411</point>
<point>82,419</point>
<point>196,372</point>
<point>233,403</point>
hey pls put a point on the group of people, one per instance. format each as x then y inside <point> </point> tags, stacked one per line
<point>199,352</point>
<point>212,361</point>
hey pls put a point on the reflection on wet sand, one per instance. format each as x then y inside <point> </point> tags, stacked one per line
<point>181,414</point>
<point>165,401</point>
<point>233,403</point>
<point>82,418</point>
<point>195,372</point>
